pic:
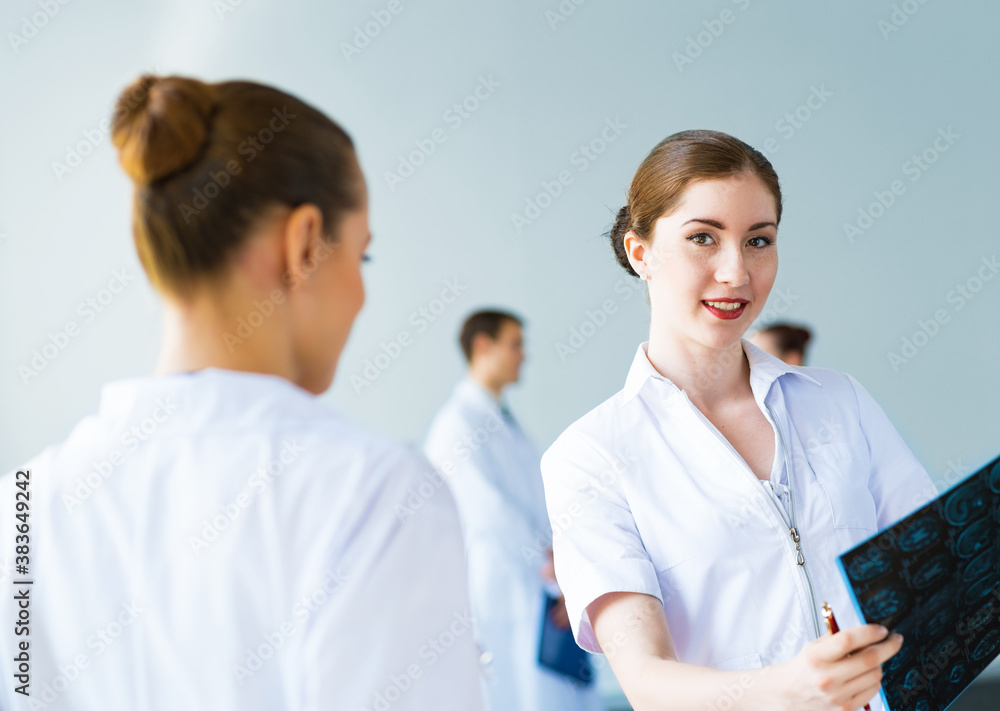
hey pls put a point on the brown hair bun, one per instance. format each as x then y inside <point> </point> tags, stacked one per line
<point>161,125</point>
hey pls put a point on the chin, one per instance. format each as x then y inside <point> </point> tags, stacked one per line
<point>723,338</point>
<point>318,383</point>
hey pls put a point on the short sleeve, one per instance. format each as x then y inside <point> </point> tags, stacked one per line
<point>897,481</point>
<point>596,546</point>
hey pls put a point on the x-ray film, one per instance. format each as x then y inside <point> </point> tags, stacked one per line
<point>934,577</point>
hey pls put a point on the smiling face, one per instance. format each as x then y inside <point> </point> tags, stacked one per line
<point>711,262</point>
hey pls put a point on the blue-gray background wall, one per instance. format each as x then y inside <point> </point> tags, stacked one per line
<point>842,97</point>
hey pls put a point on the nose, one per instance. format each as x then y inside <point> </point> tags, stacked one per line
<point>731,269</point>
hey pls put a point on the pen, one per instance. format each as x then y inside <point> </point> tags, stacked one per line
<point>833,628</point>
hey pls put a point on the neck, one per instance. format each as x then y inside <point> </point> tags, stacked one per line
<point>709,376</point>
<point>494,385</point>
<point>211,329</point>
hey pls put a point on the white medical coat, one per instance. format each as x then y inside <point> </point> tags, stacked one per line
<point>645,495</point>
<point>219,540</point>
<point>492,469</point>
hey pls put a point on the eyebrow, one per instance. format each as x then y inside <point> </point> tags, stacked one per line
<point>719,225</point>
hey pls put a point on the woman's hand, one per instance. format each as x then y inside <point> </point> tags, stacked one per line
<point>548,570</point>
<point>841,672</point>
<point>559,615</point>
<point>633,633</point>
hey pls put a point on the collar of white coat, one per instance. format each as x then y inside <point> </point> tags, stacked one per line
<point>764,370</point>
<point>472,388</point>
<point>241,386</point>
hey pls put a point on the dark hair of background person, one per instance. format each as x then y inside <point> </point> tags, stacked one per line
<point>488,322</point>
<point>659,182</point>
<point>788,337</point>
<point>209,160</point>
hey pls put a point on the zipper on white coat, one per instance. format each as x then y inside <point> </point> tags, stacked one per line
<point>792,529</point>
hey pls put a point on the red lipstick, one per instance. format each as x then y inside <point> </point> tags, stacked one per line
<point>726,315</point>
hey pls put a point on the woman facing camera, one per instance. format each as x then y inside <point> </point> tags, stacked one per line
<point>214,538</point>
<point>697,513</point>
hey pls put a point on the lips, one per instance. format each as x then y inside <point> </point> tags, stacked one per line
<point>726,309</point>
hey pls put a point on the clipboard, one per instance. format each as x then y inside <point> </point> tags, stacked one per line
<point>559,652</point>
<point>934,577</point>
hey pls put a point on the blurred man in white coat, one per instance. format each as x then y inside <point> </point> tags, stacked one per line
<point>493,471</point>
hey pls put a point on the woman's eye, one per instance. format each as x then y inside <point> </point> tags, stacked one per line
<point>700,238</point>
<point>365,258</point>
<point>761,241</point>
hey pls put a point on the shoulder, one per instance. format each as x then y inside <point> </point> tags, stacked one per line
<point>823,388</point>
<point>332,452</point>
<point>595,440</point>
<point>465,413</point>
<point>814,383</point>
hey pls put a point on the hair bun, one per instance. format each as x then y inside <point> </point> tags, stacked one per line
<point>160,125</point>
<point>617,234</point>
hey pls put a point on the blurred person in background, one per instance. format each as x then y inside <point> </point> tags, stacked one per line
<point>492,468</point>
<point>783,340</point>
<point>214,538</point>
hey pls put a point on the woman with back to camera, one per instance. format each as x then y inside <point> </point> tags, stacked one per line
<point>240,547</point>
<point>698,512</point>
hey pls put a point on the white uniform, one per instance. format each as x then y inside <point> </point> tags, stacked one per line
<point>492,469</point>
<point>219,540</point>
<point>645,495</point>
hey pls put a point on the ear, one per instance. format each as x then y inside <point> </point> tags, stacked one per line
<point>636,252</point>
<point>481,343</point>
<point>303,242</point>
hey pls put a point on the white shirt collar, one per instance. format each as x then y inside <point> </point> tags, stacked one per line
<point>764,370</point>
<point>477,391</point>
